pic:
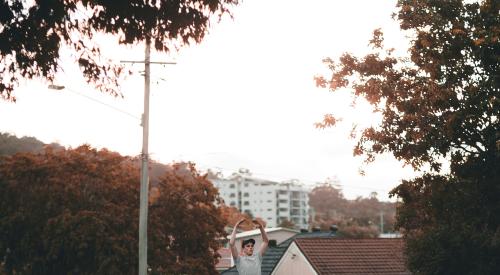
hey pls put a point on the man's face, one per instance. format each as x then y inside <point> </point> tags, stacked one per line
<point>248,249</point>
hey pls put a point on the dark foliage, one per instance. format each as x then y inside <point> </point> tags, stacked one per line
<point>441,103</point>
<point>33,32</point>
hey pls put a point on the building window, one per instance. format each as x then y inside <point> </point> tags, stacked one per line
<point>245,194</point>
<point>233,203</point>
<point>232,195</point>
<point>232,185</point>
<point>246,203</point>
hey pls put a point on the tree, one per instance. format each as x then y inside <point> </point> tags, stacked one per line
<point>441,103</point>
<point>76,212</point>
<point>10,144</point>
<point>451,222</point>
<point>69,211</point>
<point>287,224</point>
<point>232,215</point>
<point>187,227</point>
<point>32,34</point>
<point>327,200</point>
<point>354,218</point>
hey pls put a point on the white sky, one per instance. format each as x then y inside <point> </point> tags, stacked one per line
<point>244,97</point>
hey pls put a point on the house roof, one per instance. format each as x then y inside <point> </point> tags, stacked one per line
<point>225,260</point>
<point>256,232</point>
<point>354,256</point>
<point>274,254</point>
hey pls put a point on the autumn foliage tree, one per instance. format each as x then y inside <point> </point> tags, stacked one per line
<point>354,218</point>
<point>232,215</point>
<point>440,105</point>
<point>187,227</point>
<point>327,201</point>
<point>76,212</point>
<point>68,212</point>
<point>33,32</point>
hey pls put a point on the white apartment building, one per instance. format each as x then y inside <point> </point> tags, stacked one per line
<point>269,200</point>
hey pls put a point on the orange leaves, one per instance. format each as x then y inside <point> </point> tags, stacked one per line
<point>328,121</point>
<point>453,54</point>
<point>377,39</point>
<point>458,31</point>
<point>320,81</point>
<point>232,215</point>
<point>479,41</point>
<point>186,214</point>
<point>71,205</point>
<point>80,207</point>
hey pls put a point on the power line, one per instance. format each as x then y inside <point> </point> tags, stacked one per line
<point>55,87</point>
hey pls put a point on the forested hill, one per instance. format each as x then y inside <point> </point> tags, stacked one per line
<point>11,144</point>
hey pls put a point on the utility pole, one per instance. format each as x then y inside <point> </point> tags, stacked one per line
<point>143,207</point>
<point>144,191</point>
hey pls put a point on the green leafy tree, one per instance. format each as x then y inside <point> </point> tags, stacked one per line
<point>33,32</point>
<point>440,105</point>
<point>76,212</point>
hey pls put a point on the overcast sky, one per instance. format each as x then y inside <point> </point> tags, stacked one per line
<point>243,98</point>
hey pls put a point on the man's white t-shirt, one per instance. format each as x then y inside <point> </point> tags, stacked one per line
<point>249,265</point>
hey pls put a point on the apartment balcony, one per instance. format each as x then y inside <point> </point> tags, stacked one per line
<point>283,197</point>
<point>281,218</point>
<point>283,205</point>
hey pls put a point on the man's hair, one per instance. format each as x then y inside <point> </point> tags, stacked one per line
<point>245,242</point>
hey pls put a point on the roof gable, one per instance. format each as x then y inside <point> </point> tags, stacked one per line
<point>354,256</point>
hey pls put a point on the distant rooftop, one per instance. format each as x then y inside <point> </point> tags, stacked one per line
<point>256,232</point>
<point>354,256</point>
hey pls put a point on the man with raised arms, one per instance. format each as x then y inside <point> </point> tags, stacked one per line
<point>248,263</point>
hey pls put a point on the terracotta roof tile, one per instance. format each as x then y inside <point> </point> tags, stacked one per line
<point>354,256</point>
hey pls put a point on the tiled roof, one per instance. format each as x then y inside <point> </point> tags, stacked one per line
<point>274,254</point>
<point>354,256</point>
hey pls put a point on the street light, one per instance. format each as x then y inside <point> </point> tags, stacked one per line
<point>56,87</point>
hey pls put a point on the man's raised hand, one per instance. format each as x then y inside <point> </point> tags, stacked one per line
<point>257,223</point>
<point>239,222</point>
